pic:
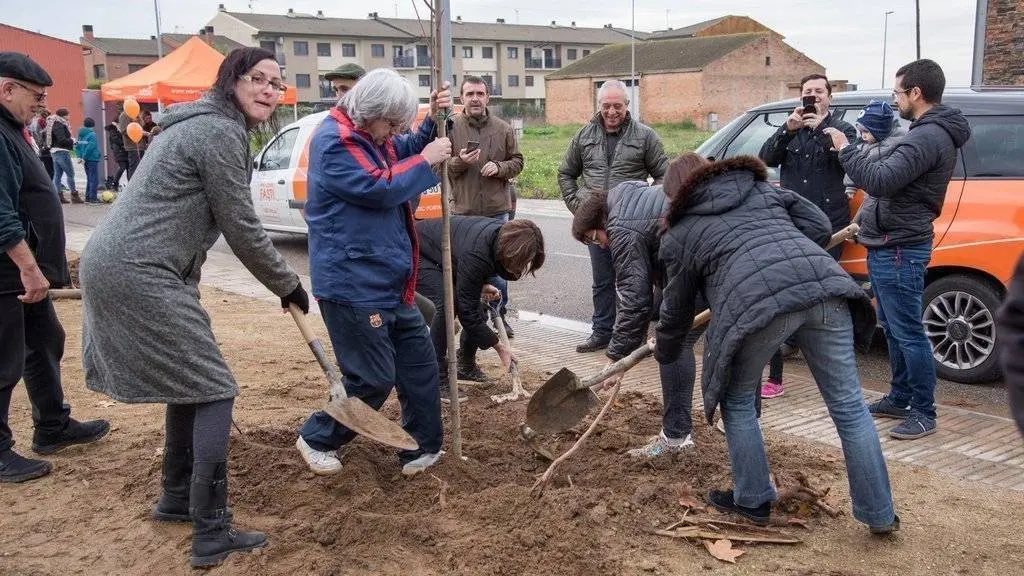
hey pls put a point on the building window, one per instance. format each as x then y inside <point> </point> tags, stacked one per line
<point>570,54</point>
<point>425,80</point>
<point>348,50</point>
<point>300,48</point>
<point>326,90</point>
<point>376,50</point>
<point>467,51</point>
<point>132,68</point>
<point>302,80</point>
<point>323,48</point>
<point>453,50</point>
<point>398,51</point>
<point>487,52</point>
<point>586,53</point>
<point>513,80</point>
<point>529,80</point>
<point>512,52</point>
<point>767,60</point>
<point>99,71</point>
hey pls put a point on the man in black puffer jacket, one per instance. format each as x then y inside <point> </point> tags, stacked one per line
<point>482,247</point>
<point>908,188</point>
<point>755,253</point>
<point>628,220</point>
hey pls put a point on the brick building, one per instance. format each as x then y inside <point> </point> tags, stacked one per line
<point>722,67</point>
<point>108,58</point>
<point>1003,63</point>
<point>60,58</point>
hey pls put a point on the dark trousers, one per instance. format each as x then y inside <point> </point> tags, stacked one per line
<point>31,347</point>
<point>134,157</point>
<point>92,178</point>
<point>48,164</point>
<point>497,281</point>
<point>677,381</point>
<point>430,284</point>
<point>603,271</point>
<point>377,350</point>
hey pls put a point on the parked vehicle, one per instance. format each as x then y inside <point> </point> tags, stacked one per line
<point>978,236</point>
<point>278,183</point>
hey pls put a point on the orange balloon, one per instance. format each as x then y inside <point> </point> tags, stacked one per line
<point>134,131</point>
<point>131,108</point>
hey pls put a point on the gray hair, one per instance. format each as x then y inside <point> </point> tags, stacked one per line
<point>382,94</point>
<point>613,85</point>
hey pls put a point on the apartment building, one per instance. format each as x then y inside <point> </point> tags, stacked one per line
<point>512,58</point>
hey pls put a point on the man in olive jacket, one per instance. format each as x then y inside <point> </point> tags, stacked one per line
<point>612,148</point>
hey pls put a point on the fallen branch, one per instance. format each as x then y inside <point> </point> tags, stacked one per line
<point>698,532</point>
<point>541,483</point>
<point>809,494</point>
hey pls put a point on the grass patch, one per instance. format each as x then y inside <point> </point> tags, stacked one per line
<point>543,148</point>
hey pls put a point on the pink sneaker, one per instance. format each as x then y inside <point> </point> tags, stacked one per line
<point>771,389</point>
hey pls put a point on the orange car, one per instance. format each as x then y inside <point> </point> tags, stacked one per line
<point>278,183</point>
<point>978,236</point>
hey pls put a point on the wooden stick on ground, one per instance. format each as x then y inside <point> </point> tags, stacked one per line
<point>541,483</point>
<point>697,532</point>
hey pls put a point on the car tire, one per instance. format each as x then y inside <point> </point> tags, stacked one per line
<point>959,319</point>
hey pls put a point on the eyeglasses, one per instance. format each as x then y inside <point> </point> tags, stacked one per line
<point>40,96</point>
<point>896,93</point>
<point>260,81</point>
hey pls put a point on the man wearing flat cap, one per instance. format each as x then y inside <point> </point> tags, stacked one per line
<point>344,77</point>
<point>31,260</point>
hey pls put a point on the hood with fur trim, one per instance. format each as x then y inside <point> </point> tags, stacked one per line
<point>732,180</point>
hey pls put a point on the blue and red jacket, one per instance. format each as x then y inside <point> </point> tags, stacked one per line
<point>363,248</point>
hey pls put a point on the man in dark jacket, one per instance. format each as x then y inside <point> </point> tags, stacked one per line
<point>609,150</point>
<point>909,188</point>
<point>1010,325</point>
<point>627,220</point>
<point>31,259</point>
<point>755,253</point>
<point>482,248</point>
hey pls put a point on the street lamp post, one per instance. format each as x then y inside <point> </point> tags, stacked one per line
<point>632,60</point>
<point>885,41</point>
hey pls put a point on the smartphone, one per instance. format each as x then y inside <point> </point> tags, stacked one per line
<point>472,145</point>
<point>809,106</point>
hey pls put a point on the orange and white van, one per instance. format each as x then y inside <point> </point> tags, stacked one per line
<point>278,183</point>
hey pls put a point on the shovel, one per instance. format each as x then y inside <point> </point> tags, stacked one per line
<point>564,399</point>
<point>352,413</point>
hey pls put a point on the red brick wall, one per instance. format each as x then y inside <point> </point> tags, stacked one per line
<point>61,60</point>
<point>670,98</point>
<point>1004,43</point>
<point>569,101</point>
<point>741,80</point>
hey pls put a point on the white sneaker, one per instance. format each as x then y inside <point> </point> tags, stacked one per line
<point>720,425</point>
<point>319,462</point>
<point>661,444</point>
<point>422,463</point>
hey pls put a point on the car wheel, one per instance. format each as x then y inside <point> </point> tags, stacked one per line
<point>959,319</point>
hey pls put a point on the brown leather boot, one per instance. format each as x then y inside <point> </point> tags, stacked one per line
<point>63,198</point>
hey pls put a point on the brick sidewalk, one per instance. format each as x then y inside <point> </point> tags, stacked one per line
<point>969,445</point>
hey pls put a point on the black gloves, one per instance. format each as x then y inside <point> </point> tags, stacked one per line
<point>299,297</point>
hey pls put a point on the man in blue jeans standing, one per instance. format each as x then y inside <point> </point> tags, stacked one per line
<point>906,191</point>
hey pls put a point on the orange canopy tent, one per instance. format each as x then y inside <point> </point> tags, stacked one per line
<point>181,76</point>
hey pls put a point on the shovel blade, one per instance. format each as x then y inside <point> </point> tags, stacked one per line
<point>360,418</point>
<point>560,403</point>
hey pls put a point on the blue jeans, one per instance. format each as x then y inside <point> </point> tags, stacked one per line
<point>381,349</point>
<point>92,175</point>
<point>677,389</point>
<point>603,270</point>
<point>897,279</point>
<point>62,166</point>
<point>824,333</point>
<point>497,281</point>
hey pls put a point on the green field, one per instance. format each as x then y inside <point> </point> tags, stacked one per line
<point>544,146</point>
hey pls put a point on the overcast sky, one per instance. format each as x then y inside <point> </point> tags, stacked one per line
<point>845,36</point>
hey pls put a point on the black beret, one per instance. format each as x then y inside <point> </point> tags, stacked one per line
<point>20,67</point>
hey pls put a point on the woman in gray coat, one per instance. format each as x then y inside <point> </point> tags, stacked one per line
<point>145,337</point>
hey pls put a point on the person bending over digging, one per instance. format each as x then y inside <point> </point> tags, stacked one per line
<point>755,253</point>
<point>628,220</point>
<point>482,247</point>
<point>146,338</point>
<point>364,170</point>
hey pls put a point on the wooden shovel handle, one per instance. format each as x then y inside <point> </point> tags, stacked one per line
<point>65,293</point>
<point>843,235</point>
<point>337,388</point>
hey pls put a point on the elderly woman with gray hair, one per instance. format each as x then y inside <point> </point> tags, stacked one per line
<point>365,173</point>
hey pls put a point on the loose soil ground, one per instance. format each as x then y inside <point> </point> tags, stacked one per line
<point>474,518</point>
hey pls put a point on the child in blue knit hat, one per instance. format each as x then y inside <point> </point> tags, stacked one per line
<point>878,133</point>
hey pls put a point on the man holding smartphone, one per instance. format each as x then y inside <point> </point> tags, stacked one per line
<point>810,167</point>
<point>488,156</point>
